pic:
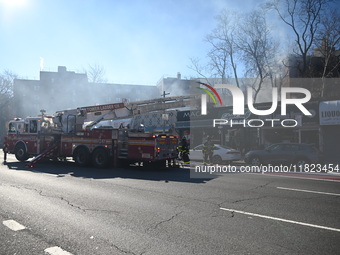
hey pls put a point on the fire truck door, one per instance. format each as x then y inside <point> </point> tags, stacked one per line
<point>33,126</point>
<point>34,146</point>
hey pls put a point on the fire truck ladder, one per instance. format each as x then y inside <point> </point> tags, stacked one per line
<point>45,154</point>
<point>139,107</point>
<point>163,104</point>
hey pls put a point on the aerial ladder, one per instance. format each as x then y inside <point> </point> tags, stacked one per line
<point>95,114</point>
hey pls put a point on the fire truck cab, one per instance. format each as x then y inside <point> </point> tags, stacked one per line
<point>16,126</point>
<point>29,125</point>
<point>28,136</point>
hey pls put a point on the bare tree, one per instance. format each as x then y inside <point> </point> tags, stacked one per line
<point>6,96</point>
<point>303,17</point>
<point>224,51</point>
<point>96,74</point>
<point>241,40</point>
<point>257,47</point>
<point>6,87</point>
<point>200,69</point>
<point>327,43</point>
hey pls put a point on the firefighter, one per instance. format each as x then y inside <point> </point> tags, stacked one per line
<point>5,152</point>
<point>208,151</point>
<point>184,151</point>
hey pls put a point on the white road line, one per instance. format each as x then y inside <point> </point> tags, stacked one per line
<point>13,225</point>
<point>56,251</point>
<point>310,191</point>
<point>280,219</point>
<point>297,177</point>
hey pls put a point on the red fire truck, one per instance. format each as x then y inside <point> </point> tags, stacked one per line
<point>73,133</point>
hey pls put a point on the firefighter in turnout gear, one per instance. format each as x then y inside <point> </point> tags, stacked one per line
<point>5,150</point>
<point>208,151</point>
<point>184,151</point>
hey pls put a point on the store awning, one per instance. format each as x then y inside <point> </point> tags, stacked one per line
<point>195,123</point>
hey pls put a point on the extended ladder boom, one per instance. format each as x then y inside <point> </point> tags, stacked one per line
<point>163,104</point>
<point>98,113</point>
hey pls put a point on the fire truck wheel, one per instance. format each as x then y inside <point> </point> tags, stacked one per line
<point>20,152</point>
<point>81,156</point>
<point>100,158</point>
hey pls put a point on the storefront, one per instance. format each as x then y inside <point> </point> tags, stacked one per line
<point>256,132</point>
<point>250,131</point>
<point>196,127</point>
<point>330,128</point>
<point>307,129</point>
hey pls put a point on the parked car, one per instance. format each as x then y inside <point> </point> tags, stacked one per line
<point>285,153</point>
<point>221,154</point>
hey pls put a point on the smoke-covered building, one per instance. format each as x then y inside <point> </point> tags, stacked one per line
<point>56,91</point>
<point>176,86</point>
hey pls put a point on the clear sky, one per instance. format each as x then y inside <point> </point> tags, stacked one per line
<point>135,41</point>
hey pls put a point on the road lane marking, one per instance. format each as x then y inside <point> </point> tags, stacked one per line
<point>56,251</point>
<point>281,219</point>
<point>310,191</point>
<point>304,177</point>
<point>13,225</point>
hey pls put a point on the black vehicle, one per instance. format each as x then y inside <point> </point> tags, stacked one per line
<point>285,153</point>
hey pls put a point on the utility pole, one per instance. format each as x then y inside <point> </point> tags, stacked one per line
<point>164,116</point>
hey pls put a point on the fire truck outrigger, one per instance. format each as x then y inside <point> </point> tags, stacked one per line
<point>76,133</point>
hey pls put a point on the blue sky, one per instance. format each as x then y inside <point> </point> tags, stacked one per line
<point>135,41</point>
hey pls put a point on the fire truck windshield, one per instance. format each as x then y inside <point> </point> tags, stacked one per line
<point>16,127</point>
<point>11,128</point>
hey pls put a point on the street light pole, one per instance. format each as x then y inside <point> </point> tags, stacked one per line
<point>163,117</point>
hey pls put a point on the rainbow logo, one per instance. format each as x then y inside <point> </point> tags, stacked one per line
<point>213,98</point>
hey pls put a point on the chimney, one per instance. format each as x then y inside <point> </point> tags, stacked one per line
<point>61,69</point>
<point>178,75</point>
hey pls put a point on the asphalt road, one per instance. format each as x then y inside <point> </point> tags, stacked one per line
<point>63,209</point>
